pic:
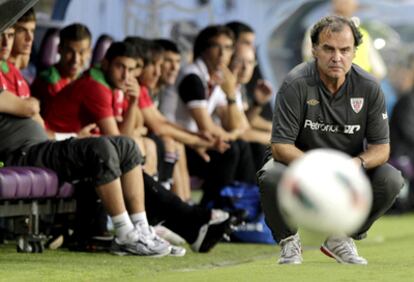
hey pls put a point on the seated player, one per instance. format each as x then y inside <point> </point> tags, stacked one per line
<point>23,41</point>
<point>90,100</point>
<point>205,88</point>
<point>111,163</point>
<point>74,50</point>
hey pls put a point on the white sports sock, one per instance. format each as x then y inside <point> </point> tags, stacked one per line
<point>166,184</point>
<point>123,225</point>
<point>140,220</point>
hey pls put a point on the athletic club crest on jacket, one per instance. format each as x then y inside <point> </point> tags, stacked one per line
<point>357,104</point>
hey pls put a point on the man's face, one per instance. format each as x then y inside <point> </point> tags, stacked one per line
<point>74,56</point>
<point>139,68</point>
<point>334,53</point>
<point>6,40</point>
<point>23,39</point>
<point>119,71</point>
<point>218,53</point>
<point>151,73</point>
<point>170,67</point>
<point>246,38</point>
<point>243,62</point>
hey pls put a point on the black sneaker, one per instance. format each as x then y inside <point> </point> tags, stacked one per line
<point>212,232</point>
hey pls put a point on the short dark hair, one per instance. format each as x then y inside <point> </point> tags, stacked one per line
<point>335,24</point>
<point>29,16</point>
<point>156,50</point>
<point>148,49</point>
<point>167,45</point>
<point>141,46</point>
<point>120,49</point>
<point>74,32</point>
<point>239,27</point>
<point>202,41</point>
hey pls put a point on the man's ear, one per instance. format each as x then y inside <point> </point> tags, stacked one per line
<point>89,55</point>
<point>313,51</point>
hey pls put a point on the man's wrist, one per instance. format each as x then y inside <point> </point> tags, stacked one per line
<point>231,100</point>
<point>194,141</point>
<point>363,162</point>
<point>132,98</point>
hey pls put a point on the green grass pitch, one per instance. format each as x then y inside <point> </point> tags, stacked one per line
<point>389,249</point>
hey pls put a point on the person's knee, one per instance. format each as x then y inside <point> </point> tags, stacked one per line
<point>264,178</point>
<point>391,181</point>
<point>269,175</point>
<point>102,148</point>
<point>128,152</point>
<point>103,160</point>
<point>128,145</point>
<point>394,183</point>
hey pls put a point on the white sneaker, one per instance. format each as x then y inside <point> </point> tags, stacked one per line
<point>342,249</point>
<point>177,251</point>
<point>169,235</point>
<point>150,234</point>
<point>290,250</point>
<point>141,245</point>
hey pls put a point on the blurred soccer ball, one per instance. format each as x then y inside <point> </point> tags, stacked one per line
<point>326,192</point>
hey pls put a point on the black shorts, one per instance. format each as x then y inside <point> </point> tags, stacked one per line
<point>99,160</point>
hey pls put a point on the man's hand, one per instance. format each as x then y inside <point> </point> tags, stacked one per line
<point>205,135</point>
<point>207,141</point>
<point>132,89</point>
<point>13,105</point>
<point>262,92</point>
<point>87,131</point>
<point>235,134</point>
<point>202,152</point>
<point>216,142</point>
<point>203,142</point>
<point>141,131</point>
<point>35,104</point>
<point>229,82</point>
<point>30,108</point>
<point>221,146</point>
<point>218,145</point>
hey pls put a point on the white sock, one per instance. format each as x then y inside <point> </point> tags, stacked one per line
<point>166,184</point>
<point>140,220</point>
<point>123,225</point>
